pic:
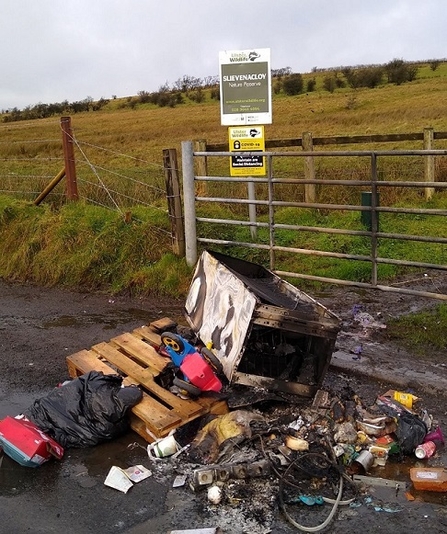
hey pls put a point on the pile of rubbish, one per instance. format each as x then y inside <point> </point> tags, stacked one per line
<point>270,449</point>
<point>79,413</point>
<point>297,454</point>
<point>286,440</point>
<point>278,449</point>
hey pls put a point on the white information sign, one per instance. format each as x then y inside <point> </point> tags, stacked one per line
<point>245,87</point>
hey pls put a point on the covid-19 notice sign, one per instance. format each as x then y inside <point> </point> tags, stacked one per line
<point>244,142</point>
<point>245,88</point>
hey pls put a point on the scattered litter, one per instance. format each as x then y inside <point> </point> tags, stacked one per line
<point>357,351</point>
<point>27,444</point>
<point>436,436</point>
<point>215,494</point>
<point>389,509</point>
<point>179,481</point>
<point>163,447</point>
<point>429,478</point>
<point>223,472</point>
<point>235,425</point>
<point>406,399</point>
<point>367,321</point>
<point>310,500</point>
<point>363,462</point>
<point>345,433</point>
<point>425,450</point>
<point>123,479</point>
<point>118,480</point>
<point>297,444</point>
<point>137,473</point>
<point>381,482</point>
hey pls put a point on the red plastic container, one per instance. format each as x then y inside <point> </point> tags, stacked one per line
<point>25,443</point>
<point>200,373</point>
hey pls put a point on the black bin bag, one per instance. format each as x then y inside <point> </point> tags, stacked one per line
<point>85,411</point>
<point>410,432</point>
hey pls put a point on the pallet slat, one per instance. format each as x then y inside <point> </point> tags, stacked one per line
<point>146,333</point>
<point>86,361</point>
<point>124,364</point>
<point>138,349</point>
<point>158,418</point>
<point>129,355</point>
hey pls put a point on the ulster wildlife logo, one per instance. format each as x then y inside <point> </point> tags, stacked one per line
<point>253,55</point>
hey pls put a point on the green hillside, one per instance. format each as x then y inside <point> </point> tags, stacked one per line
<point>89,246</point>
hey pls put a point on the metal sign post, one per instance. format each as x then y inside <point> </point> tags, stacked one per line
<point>244,142</point>
<point>246,99</point>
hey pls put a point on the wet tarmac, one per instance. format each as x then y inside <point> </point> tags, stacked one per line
<point>40,327</point>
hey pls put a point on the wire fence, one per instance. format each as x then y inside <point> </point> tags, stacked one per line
<point>105,177</point>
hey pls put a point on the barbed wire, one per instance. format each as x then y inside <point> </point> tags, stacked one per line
<point>85,160</point>
<point>22,141</point>
<point>158,189</point>
<point>121,154</point>
<point>31,159</point>
<point>14,175</point>
<point>26,124</point>
<point>118,193</point>
<point>92,167</point>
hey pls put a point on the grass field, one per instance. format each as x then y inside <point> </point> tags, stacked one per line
<point>144,131</point>
<point>91,246</point>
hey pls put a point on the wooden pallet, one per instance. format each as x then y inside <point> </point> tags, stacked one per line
<point>134,357</point>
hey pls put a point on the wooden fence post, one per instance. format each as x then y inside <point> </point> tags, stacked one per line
<point>50,187</point>
<point>70,166</point>
<point>309,169</point>
<point>429,162</point>
<point>174,200</point>
<point>201,166</point>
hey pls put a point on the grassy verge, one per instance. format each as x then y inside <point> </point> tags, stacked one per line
<point>83,245</point>
<point>89,247</point>
<point>423,332</point>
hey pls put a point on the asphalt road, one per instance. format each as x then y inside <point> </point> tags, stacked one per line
<point>40,327</point>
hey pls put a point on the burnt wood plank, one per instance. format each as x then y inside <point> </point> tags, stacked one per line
<point>163,324</point>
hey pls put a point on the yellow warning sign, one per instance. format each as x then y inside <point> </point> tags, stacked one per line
<point>244,140</point>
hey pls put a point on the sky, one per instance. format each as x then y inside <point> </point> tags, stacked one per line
<point>56,50</point>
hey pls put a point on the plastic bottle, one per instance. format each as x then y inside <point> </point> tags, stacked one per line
<point>425,450</point>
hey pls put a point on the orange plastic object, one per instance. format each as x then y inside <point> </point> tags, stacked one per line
<point>429,478</point>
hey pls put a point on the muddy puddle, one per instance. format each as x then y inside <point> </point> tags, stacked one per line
<point>108,322</point>
<point>398,472</point>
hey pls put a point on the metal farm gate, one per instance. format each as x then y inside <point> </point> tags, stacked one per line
<point>379,180</point>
